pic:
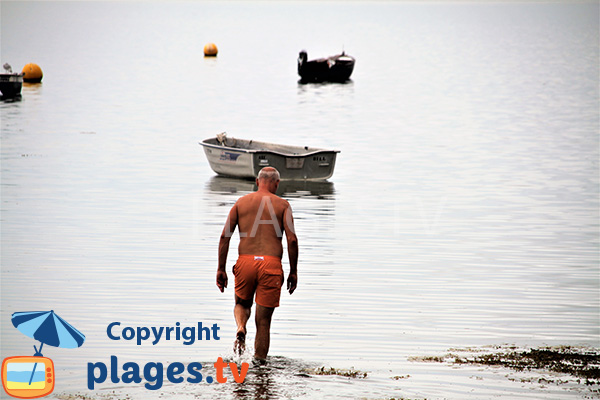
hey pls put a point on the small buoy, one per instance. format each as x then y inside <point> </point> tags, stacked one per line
<point>210,50</point>
<point>32,73</point>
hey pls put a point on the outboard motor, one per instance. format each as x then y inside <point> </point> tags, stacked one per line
<point>302,58</point>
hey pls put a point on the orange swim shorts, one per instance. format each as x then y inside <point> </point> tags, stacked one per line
<point>262,275</point>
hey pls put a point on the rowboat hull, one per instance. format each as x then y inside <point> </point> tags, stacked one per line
<point>245,158</point>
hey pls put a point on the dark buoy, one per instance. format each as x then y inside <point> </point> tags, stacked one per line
<point>32,73</point>
<point>210,50</point>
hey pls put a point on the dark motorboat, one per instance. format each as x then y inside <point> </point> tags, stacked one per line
<point>336,68</point>
<point>10,83</point>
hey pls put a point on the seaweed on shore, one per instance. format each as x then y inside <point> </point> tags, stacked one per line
<point>79,396</point>
<point>582,363</point>
<point>566,360</point>
<point>349,373</point>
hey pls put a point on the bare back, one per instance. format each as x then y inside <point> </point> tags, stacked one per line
<point>260,217</point>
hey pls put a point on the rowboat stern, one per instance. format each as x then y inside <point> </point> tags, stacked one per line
<point>228,161</point>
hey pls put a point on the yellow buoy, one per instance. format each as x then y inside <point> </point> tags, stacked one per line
<point>32,73</point>
<point>210,50</point>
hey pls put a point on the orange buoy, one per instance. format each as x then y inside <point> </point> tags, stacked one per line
<point>210,50</point>
<point>32,73</point>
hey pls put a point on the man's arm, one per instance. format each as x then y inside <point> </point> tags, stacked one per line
<point>228,230</point>
<point>292,243</point>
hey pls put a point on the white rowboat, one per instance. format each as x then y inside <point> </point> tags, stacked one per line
<point>245,158</point>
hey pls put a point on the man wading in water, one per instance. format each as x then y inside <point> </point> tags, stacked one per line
<point>262,218</point>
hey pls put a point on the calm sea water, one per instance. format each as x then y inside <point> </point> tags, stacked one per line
<point>463,211</point>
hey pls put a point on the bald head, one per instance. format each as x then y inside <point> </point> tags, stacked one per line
<point>268,178</point>
<point>269,174</point>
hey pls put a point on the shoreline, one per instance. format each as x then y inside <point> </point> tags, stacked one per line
<point>503,371</point>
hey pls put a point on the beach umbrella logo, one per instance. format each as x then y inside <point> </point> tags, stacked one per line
<point>31,377</point>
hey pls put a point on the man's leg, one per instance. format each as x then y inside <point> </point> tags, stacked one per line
<point>263,331</point>
<point>241,312</point>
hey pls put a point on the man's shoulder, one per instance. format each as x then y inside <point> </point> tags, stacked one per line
<point>279,199</point>
<point>245,198</point>
<point>256,195</point>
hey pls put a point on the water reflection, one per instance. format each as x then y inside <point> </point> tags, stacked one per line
<point>279,378</point>
<point>259,385</point>
<point>303,84</point>
<point>30,90</point>
<point>225,185</point>
<point>287,189</point>
<point>309,88</point>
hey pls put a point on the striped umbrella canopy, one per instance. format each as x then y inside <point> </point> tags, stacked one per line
<point>48,328</point>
